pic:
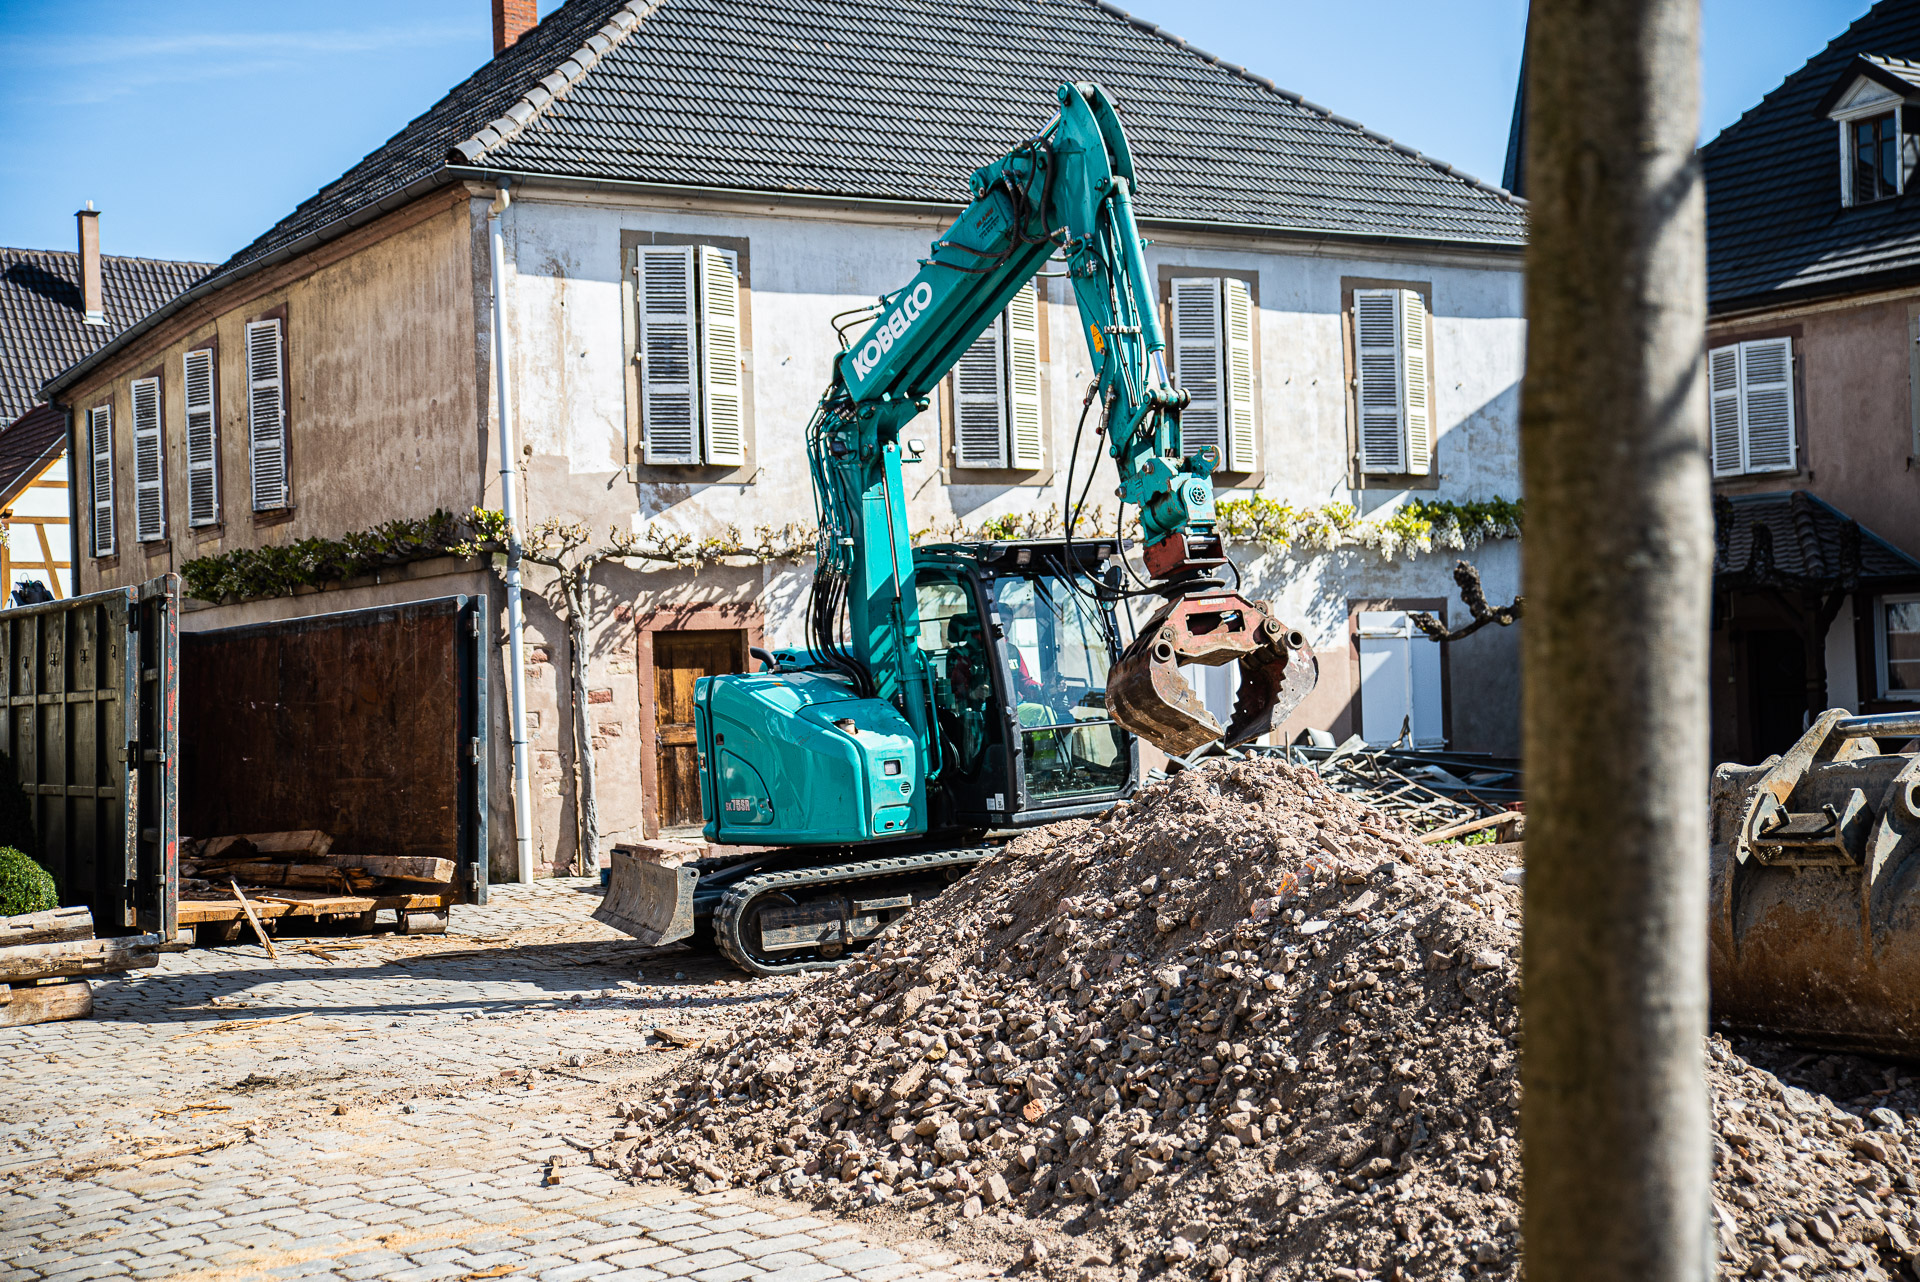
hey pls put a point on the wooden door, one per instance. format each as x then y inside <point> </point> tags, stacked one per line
<point>680,659</point>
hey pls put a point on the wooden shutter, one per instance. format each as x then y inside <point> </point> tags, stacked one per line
<point>1237,313</point>
<point>1197,361</point>
<point>1766,394</point>
<point>1416,341</point>
<point>1023,379</point>
<point>1376,345</point>
<point>722,390</point>
<point>149,492</point>
<point>667,405</point>
<point>1723,387</point>
<point>266,416</point>
<point>980,401</point>
<point>100,444</point>
<point>203,477</point>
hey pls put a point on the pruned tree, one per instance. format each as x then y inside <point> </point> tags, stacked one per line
<point>1475,598</point>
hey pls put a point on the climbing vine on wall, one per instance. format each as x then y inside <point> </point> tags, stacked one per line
<point>244,574</point>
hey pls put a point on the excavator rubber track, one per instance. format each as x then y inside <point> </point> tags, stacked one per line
<point>739,919</point>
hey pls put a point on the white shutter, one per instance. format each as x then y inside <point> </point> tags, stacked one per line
<point>1023,379</point>
<point>149,491</point>
<point>667,406</point>
<point>1376,344</point>
<point>980,401</point>
<point>266,416</point>
<point>100,445</point>
<point>722,390</point>
<point>1766,393</point>
<point>203,477</point>
<point>1237,313</point>
<point>1197,361</point>
<point>1416,341</point>
<point>1723,384</point>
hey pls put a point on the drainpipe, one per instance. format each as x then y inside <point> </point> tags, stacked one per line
<point>510,506</point>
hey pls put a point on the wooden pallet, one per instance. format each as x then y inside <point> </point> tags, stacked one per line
<point>219,919</point>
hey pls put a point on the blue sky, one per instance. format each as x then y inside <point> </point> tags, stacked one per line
<point>197,124</point>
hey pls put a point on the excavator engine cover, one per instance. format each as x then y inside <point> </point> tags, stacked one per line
<point>1815,890</point>
<point>1148,696</point>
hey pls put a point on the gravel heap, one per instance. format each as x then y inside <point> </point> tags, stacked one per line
<point>1243,1027</point>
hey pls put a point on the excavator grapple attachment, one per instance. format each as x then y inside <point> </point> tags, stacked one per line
<point>1815,890</point>
<point>1148,696</point>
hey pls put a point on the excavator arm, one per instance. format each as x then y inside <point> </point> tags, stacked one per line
<point>1065,192</point>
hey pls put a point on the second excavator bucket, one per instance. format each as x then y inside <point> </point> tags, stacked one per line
<point>1148,696</point>
<point>1814,930</point>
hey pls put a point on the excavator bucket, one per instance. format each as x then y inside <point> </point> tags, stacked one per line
<point>1148,696</point>
<point>1815,890</point>
<point>653,902</point>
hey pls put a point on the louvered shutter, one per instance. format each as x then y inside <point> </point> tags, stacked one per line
<point>203,477</point>
<point>1237,316</point>
<point>980,401</point>
<point>1766,386</point>
<point>100,445</point>
<point>266,416</point>
<point>1416,342</point>
<point>668,408</point>
<point>1376,341</point>
<point>149,494</point>
<point>1023,379</point>
<point>1197,361</point>
<point>1723,385</point>
<point>722,390</point>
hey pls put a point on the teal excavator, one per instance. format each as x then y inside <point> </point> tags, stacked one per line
<point>951,694</point>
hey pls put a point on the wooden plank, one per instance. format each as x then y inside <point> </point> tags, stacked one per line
<point>306,876</point>
<point>259,931</point>
<point>77,957</point>
<point>296,903</point>
<point>48,927</point>
<point>298,846</point>
<point>45,1003</point>
<point>398,867</point>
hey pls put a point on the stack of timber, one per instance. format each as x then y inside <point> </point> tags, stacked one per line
<point>299,874</point>
<point>44,956</point>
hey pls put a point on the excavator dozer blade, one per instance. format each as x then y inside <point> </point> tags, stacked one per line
<point>1148,696</point>
<point>650,901</point>
<point>1814,933</point>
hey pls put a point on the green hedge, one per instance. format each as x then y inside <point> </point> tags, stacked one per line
<point>25,887</point>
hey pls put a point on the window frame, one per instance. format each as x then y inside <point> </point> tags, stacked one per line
<point>1741,393</point>
<point>152,540</point>
<point>1235,472</point>
<point>638,469</point>
<point>1881,684</point>
<point>268,511</point>
<point>97,435</point>
<point>1359,477</point>
<point>211,347</point>
<point>1021,413</point>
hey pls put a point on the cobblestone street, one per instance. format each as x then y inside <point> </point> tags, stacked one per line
<point>393,1108</point>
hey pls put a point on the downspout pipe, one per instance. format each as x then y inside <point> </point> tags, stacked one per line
<point>510,507</point>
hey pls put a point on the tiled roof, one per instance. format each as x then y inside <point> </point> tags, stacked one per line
<point>1775,227</point>
<point>42,326</point>
<point>901,99</point>
<point>25,442</point>
<point>1791,538</point>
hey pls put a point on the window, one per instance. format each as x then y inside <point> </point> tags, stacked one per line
<point>1751,385</point>
<point>267,416</point>
<point>1400,682</point>
<point>100,446</point>
<point>1213,360</point>
<point>688,345</point>
<point>1873,154</point>
<point>1391,347</point>
<point>996,392</point>
<point>1897,643</point>
<point>149,484</point>
<point>203,470</point>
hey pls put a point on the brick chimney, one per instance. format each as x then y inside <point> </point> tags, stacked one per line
<point>513,19</point>
<point>91,299</point>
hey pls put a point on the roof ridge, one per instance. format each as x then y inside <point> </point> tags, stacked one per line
<point>1268,84</point>
<point>124,258</point>
<point>555,83</point>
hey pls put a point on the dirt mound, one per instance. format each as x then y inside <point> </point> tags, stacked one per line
<point>1242,1028</point>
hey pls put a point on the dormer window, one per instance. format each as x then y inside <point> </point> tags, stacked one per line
<point>1875,102</point>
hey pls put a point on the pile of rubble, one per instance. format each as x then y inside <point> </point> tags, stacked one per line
<point>1243,1027</point>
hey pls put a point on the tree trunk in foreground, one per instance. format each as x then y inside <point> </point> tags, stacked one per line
<point>1618,558</point>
